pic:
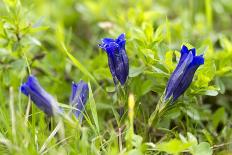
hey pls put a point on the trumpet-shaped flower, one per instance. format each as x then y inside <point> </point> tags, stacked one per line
<point>182,76</point>
<point>117,57</point>
<point>39,96</point>
<point>79,96</point>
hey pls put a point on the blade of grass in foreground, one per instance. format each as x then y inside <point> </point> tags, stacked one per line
<point>60,35</point>
<point>50,137</point>
<point>12,112</point>
<point>78,64</point>
<point>93,108</point>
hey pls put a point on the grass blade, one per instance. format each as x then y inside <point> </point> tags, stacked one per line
<point>93,108</point>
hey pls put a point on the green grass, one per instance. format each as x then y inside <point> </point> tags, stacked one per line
<point>57,41</point>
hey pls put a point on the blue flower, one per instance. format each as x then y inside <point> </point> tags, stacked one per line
<point>79,96</point>
<point>182,76</point>
<point>39,96</point>
<point>117,57</point>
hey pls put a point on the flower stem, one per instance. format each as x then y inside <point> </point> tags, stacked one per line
<point>120,138</point>
<point>121,94</point>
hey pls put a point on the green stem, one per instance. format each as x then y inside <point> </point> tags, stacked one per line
<point>121,94</point>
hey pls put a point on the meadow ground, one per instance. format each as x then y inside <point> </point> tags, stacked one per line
<point>123,106</point>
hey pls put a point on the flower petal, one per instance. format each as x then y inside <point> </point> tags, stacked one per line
<point>121,37</point>
<point>188,76</point>
<point>122,69</point>
<point>79,96</point>
<point>117,58</point>
<point>182,76</point>
<point>39,96</point>
<point>107,40</point>
<point>177,75</point>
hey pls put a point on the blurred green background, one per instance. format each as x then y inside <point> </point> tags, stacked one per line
<point>57,41</point>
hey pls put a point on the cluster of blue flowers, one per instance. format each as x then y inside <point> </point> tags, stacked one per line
<point>48,104</point>
<point>118,63</point>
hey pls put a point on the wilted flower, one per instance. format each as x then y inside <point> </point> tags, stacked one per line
<point>117,57</point>
<point>182,76</point>
<point>39,96</point>
<point>79,96</point>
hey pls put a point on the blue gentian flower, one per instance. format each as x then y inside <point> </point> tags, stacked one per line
<point>182,76</point>
<point>79,96</point>
<point>39,96</point>
<point>117,57</point>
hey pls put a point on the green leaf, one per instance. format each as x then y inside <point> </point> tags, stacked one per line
<point>146,87</point>
<point>211,92</point>
<point>209,137</point>
<point>110,89</point>
<point>135,152</point>
<point>135,71</point>
<point>149,32</point>
<point>159,33</point>
<point>173,113</point>
<point>202,149</point>
<point>35,41</point>
<point>173,146</point>
<point>192,138</point>
<point>220,85</point>
<point>137,140</point>
<point>191,112</point>
<point>168,60</point>
<point>225,43</point>
<point>218,116</point>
